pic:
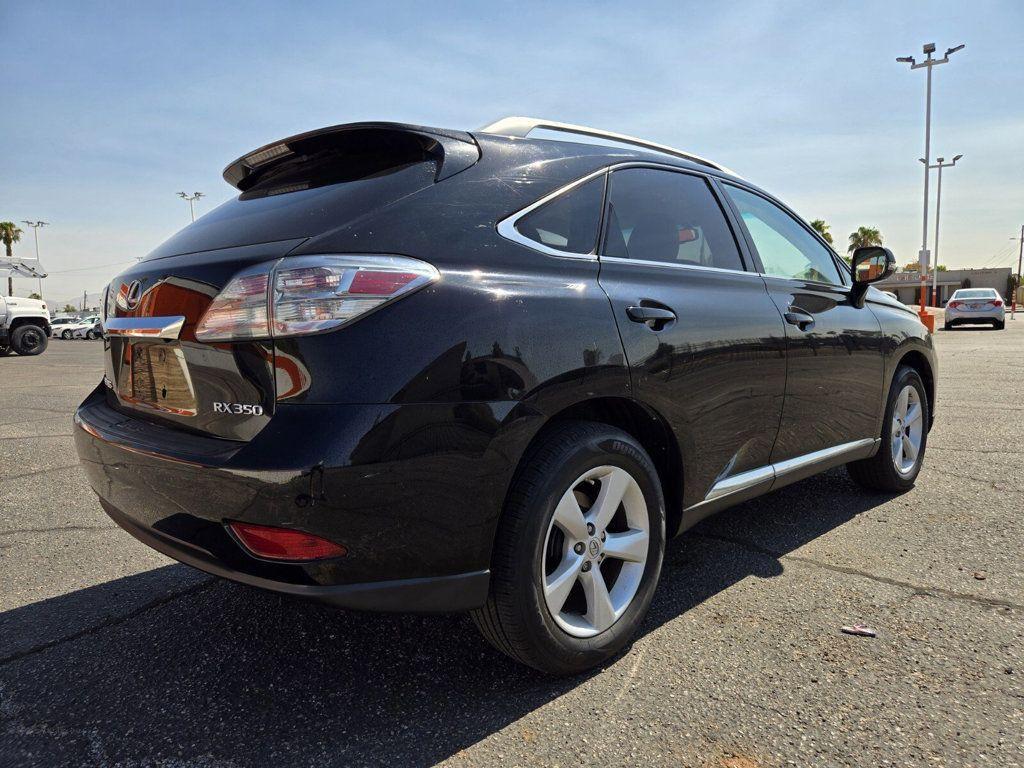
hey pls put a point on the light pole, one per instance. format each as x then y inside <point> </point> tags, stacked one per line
<point>928,63</point>
<point>191,201</point>
<point>1016,288</point>
<point>35,233</point>
<point>940,164</point>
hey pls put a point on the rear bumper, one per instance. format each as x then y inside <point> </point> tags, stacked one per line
<point>966,318</point>
<point>413,492</point>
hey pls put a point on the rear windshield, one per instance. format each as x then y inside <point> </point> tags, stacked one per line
<point>975,293</point>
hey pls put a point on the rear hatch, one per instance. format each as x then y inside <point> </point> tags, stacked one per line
<point>293,189</point>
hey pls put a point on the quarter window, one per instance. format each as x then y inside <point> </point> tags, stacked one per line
<point>785,247</point>
<point>667,216</point>
<point>569,222</point>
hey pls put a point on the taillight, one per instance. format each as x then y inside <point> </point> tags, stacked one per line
<point>284,543</point>
<point>953,304</point>
<point>309,294</point>
<point>997,303</point>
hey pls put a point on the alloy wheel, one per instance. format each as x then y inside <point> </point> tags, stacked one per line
<point>595,551</point>
<point>907,430</point>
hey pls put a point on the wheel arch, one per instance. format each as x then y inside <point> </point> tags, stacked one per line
<point>17,322</point>
<point>917,360</point>
<point>647,427</point>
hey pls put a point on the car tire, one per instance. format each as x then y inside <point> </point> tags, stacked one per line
<point>28,340</point>
<point>947,326</point>
<point>999,325</point>
<point>880,472</point>
<point>66,335</point>
<point>91,335</point>
<point>4,350</point>
<point>563,474</point>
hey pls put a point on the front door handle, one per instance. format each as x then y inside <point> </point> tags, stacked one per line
<point>799,318</point>
<point>654,317</point>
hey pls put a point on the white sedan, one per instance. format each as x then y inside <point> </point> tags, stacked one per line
<point>86,324</point>
<point>975,305</point>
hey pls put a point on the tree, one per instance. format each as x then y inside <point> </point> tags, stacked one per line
<point>819,226</point>
<point>913,266</point>
<point>34,295</point>
<point>863,237</point>
<point>941,268</point>
<point>9,234</point>
<point>69,308</point>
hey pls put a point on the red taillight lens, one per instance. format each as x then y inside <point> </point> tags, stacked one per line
<point>309,294</point>
<point>953,304</point>
<point>285,544</point>
<point>997,303</point>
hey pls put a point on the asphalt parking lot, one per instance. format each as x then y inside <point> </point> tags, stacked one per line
<point>111,654</point>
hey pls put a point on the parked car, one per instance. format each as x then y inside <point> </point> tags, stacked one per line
<point>58,324</point>
<point>90,332</point>
<point>24,326</point>
<point>975,305</point>
<point>418,369</point>
<point>83,324</point>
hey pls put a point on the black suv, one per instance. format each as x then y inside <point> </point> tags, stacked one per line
<point>413,369</point>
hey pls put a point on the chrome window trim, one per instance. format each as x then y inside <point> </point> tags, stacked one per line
<point>770,473</point>
<point>507,226</point>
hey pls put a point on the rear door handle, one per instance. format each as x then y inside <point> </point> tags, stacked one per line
<point>655,317</point>
<point>799,318</point>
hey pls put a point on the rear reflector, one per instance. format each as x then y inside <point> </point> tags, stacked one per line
<point>285,544</point>
<point>309,294</point>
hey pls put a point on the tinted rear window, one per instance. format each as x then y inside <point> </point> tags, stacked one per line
<point>975,293</point>
<point>569,222</point>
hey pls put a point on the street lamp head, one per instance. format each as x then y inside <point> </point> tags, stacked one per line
<point>198,194</point>
<point>929,48</point>
<point>957,157</point>
<point>955,49</point>
<point>183,196</point>
<point>941,160</point>
<point>905,59</point>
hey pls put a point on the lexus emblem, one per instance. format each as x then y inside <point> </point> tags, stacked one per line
<point>133,295</point>
<point>595,548</point>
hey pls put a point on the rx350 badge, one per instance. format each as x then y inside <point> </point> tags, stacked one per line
<point>238,409</point>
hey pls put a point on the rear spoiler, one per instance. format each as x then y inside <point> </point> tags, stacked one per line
<point>454,150</point>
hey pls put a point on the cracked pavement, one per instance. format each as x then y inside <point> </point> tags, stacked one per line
<point>111,654</point>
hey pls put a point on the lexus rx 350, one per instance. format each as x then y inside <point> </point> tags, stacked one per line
<point>414,369</point>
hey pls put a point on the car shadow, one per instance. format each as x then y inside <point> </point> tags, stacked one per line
<point>208,670</point>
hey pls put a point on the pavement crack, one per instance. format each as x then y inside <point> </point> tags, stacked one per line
<point>38,437</point>
<point>917,589</point>
<point>41,471</point>
<point>111,622</point>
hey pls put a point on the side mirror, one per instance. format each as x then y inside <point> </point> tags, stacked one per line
<point>870,264</point>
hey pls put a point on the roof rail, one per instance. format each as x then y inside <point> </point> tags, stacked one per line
<point>522,126</point>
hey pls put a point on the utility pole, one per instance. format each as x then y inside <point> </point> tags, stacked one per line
<point>191,202</point>
<point>938,206</point>
<point>1016,288</point>
<point>922,257</point>
<point>35,232</point>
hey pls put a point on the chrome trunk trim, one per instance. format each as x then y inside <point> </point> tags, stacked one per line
<point>144,327</point>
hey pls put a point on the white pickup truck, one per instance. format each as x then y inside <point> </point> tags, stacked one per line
<point>24,325</point>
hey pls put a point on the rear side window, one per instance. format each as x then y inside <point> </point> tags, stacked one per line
<point>670,217</point>
<point>785,247</point>
<point>569,222</point>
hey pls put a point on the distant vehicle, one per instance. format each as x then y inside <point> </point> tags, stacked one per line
<point>90,332</point>
<point>972,306</point>
<point>24,326</point>
<point>58,324</point>
<point>84,324</point>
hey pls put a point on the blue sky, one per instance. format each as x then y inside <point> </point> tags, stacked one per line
<point>111,108</point>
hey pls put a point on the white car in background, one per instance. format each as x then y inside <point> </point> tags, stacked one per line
<point>90,332</point>
<point>58,324</point>
<point>975,305</point>
<point>85,324</point>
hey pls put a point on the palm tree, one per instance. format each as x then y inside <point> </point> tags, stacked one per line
<point>9,234</point>
<point>819,226</point>
<point>863,237</point>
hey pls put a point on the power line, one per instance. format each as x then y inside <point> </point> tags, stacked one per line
<point>87,269</point>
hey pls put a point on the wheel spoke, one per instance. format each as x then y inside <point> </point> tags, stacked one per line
<point>909,448</point>
<point>901,403</point>
<point>558,585</point>
<point>600,612</point>
<point>613,487</point>
<point>569,517</point>
<point>913,414</point>
<point>629,545</point>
